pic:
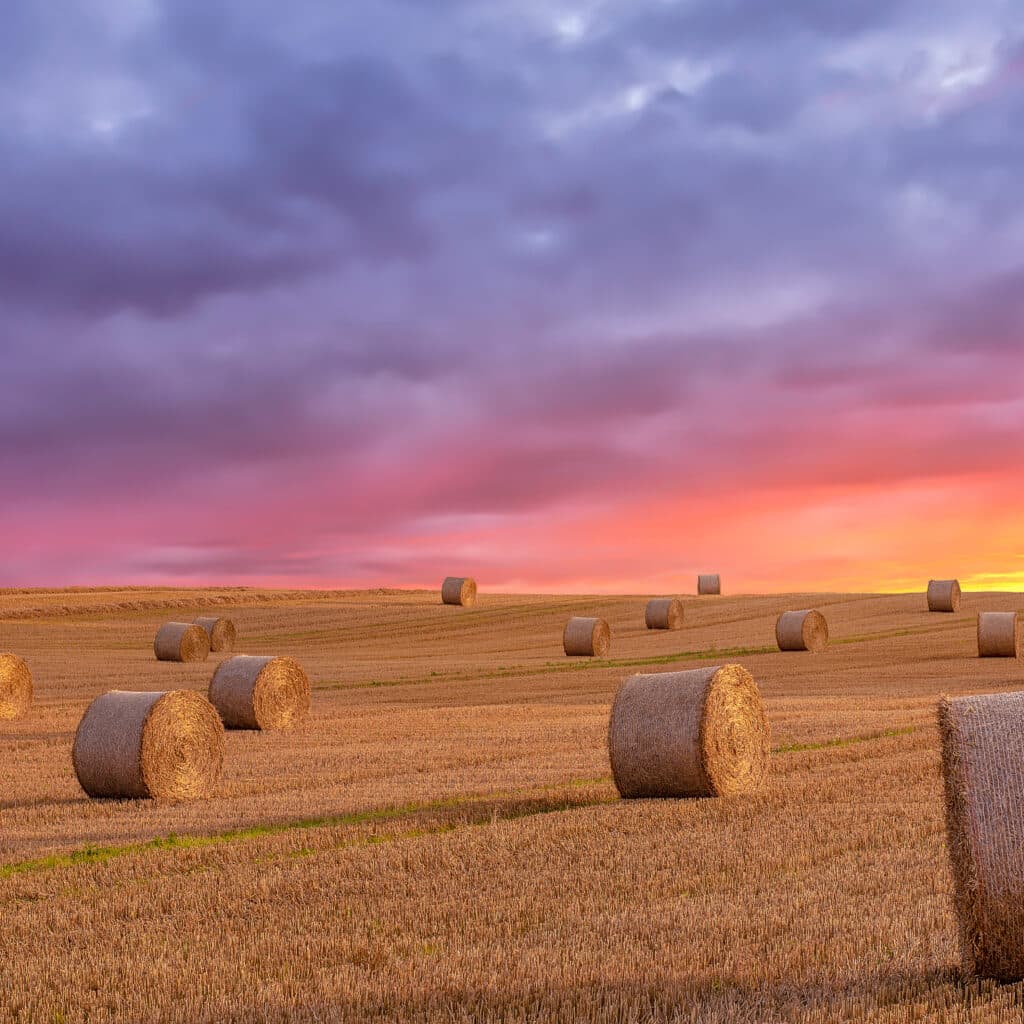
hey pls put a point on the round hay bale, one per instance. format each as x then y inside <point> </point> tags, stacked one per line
<point>802,631</point>
<point>260,693</point>
<point>459,590</point>
<point>710,583</point>
<point>664,613</point>
<point>696,733</point>
<point>220,631</point>
<point>168,746</point>
<point>15,687</point>
<point>586,637</point>
<point>943,596</point>
<point>982,754</point>
<point>999,635</point>
<point>181,641</point>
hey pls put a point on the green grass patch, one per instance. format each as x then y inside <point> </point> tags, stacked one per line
<point>844,741</point>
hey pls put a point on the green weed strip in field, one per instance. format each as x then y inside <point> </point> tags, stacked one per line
<point>480,809</point>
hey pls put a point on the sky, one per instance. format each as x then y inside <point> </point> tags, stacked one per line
<point>566,295</point>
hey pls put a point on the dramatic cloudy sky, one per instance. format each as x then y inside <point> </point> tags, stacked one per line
<point>567,294</point>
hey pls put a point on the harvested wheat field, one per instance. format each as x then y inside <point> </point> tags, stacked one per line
<point>441,839</point>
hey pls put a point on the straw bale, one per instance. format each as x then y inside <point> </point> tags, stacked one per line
<point>709,583</point>
<point>804,630</point>
<point>15,687</point>
<point>181,641</point>
<point>587,637</point>
<point>260,692</point>
<point>943,596</point>
<point>168,746</point>
<point>999,635</point>
<point>221,632</point>
<point>983,777</point>
<point>459,590</point>
<point>701,732</point>
<point>664,613</point>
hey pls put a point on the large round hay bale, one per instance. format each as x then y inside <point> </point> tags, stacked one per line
<point>221,632</point>
<point>802,631</point>
<point>664,613</point>
<point>168,746</point>
<point>999,635</point>
<point>587,637</point>
<point>181,641</point>
<point>696,733</point>
<point>943,596</point>
<point>260,693</point>
<point>15,687</point>
<point>459,590</point>
<point>982,755</point>
<point>709,583</point>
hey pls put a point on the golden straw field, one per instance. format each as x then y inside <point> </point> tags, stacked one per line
<point>441,839</point>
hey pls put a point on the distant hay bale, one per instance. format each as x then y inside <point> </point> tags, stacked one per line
<point>260,693</point>
<point>709,584</point>
<point>221,632</point>
<point>982,759</point>
<point>181,641</point>
<point>586,637</point>
<point>664,613</point>
<point>15,687</point>
<point>802,631</point>
<point>459,590</point>
<point>943,596</point>
<point>999,635</point>
<point>696,733</point>
<point>168,746</point>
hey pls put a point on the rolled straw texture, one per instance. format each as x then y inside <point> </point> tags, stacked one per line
<point>664,613</point>
<point>459,590</point>
<point>681,734</point>
<point>260,693</point>
<point>15,687</point>
<point>587,637</point>
<point>709,584</point>
<point>943,596</point>
<point>802,631</point>
<point>983,776</point>
<point>999,635</point>
<point>220,631</point>
<point>168,746</point>
<point>181,641</point>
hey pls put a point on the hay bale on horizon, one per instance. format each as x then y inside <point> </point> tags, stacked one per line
<point>15,687</point>
<point>459,590</point>
<point>167,746</point>
<point>805,630</point>
<point>702,732</point>
<point>999,634</point>
<point>586,637</point>
<point>221,632</point>
<point>943,595</point>
<point>709,583</point>
<point>982,759</point>
<point>181,641</point>
<point>664,613</point>
<point>264,693</point>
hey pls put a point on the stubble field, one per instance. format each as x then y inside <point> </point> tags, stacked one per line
<point>442,840</point>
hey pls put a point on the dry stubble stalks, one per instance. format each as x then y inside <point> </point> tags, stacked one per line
<point>696,733</point>
<point>260,693</point>
<point>802,631</point>
<point>999,635</point>
<point>983,775</point>
<point>943,596</point>
<point>220,631</point>
<point>181,641</point>
<point>664,613</point>
<point>459,590</point>
<point>168,746</point>
<point>709,584</point>
<point>587,637</point>
<point>15,687</point>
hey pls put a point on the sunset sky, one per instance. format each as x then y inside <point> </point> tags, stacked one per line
<point>563,295</point>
